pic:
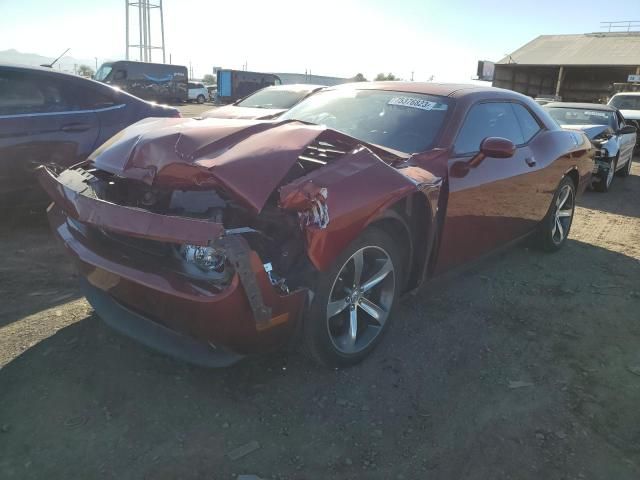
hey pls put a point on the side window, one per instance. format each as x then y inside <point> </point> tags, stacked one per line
<point>191,85</point>
<point>528,124</point>
<point>25,93</point>
<point>86,98</point>
<point>488,120</point>
<point>120,75</point>
<point>621,122</point>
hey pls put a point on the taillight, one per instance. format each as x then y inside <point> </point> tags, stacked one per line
<point>176,113</point>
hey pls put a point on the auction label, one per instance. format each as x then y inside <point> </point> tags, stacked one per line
<point>417,103</point>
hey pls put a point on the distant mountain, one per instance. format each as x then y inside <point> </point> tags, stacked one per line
<point>66,63</point>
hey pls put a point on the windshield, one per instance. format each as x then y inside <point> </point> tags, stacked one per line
<point>407,122</point>
<point>626,102</point>
<point>273,98</point>
<point>103,72</point>
<point>582,116</point>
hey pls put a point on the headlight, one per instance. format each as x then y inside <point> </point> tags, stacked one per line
<point>207,259</point>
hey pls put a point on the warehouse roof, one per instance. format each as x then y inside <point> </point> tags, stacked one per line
<point>581,49</point>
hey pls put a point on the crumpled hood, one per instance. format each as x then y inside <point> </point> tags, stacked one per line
<point>247,158</point>
<point>631,114</point>
<point>231,111</point>
<point>592,131</point>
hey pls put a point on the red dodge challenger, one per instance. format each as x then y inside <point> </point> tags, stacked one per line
<point>211,239</point>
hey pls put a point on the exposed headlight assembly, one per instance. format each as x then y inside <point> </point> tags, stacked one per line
<point>205,263</point>
<point>207,259</point>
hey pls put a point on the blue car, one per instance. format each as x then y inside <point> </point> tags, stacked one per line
<point>57,119</point>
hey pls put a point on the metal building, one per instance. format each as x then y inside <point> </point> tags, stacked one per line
<point>575,68</point>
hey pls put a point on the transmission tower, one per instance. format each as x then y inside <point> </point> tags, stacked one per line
<point>142,10</point>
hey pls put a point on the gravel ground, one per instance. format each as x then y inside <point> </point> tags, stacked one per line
<point>526,366</point>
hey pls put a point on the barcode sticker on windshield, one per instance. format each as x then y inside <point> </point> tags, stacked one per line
<point>417,103</point>
<point>596,114</point>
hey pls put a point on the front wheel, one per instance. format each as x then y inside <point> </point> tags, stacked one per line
<point>605,181</point>
<point>201,98</point>
<point>554,229</point>
<point>626,171</point>
<point>353,301</point>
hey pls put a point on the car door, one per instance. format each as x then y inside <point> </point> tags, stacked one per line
<point>39,124</point>
<point>496,201</point>
<point>627,142</point>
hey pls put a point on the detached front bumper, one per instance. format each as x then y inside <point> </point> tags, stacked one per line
<point>141,296</point>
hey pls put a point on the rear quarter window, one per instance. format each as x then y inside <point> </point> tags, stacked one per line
<point>528,123</point>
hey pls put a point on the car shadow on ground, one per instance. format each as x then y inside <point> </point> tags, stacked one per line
<point>518,368</point>
<point>623,197</point>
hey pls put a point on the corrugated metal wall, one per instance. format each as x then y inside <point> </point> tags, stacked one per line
<point>580,84</point>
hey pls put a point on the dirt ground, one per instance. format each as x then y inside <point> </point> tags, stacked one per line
<point>527,366</point>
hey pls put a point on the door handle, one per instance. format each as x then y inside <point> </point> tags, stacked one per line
<point>530,161</point>
<point>75,127</point>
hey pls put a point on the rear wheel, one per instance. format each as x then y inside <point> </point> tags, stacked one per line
<point>200,98</point>
<point>554,229</point>
<point>605,181</point>
<point>353,301</point>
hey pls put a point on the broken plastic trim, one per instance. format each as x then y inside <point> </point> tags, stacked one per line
<point>237,252</point>
<point>318,213</point>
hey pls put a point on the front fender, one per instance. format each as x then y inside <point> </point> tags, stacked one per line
<point>613,147</point>
<point>347,196</point>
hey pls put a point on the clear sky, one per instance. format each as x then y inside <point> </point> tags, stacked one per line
<point>330,37</point>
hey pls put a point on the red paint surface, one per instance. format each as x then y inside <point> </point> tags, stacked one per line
<point>127,220</point>
<point>248,159</point>
<point>167,297</point>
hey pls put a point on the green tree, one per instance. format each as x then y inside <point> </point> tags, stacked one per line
<point>209,79</point>
<point>85,71</point>
<point>359,78</point>
<point>381,77</point>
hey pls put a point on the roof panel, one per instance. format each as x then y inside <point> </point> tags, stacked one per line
<point>580,49</point>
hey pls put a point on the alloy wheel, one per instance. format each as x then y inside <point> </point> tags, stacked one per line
<point>563,214</point>
<point>360,299</point>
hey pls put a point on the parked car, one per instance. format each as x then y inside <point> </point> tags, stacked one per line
<point>57,119</point>
<point>198,92</point>
<point>609,132</point>
<point>212,239</point>
<point>236,84</point>
<point>156,82</point>
<point>629,105</point>
<point>266,103</point>
<point>213,91</point>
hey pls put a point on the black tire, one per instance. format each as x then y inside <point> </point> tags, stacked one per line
<point>321,332</point>
<point>604,185</point>
<point>626,170</point>
<point>200,99</point>
<point>548,238</point>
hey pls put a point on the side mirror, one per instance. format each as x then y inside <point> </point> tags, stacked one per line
<point>497,147</point>
<point>627,129</point>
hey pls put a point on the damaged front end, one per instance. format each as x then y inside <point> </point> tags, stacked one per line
<point>606,147</point>
<point>214,229</point>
